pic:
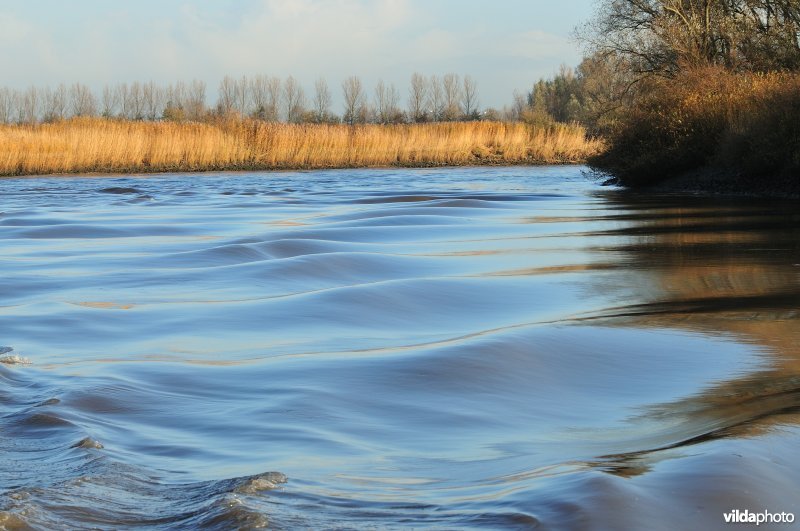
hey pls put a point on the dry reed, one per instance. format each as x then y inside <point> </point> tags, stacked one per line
<point>100,145</point>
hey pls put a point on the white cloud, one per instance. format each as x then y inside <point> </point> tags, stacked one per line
<point>284,36</point>
<point>389,39</point>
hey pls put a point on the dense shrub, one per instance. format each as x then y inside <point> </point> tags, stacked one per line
<point>745,124</point>
<point>763,138</point>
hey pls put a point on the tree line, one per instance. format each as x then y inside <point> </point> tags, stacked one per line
<point>632,42</point>
<point>681,86</point>
<point>665,37</point>
<point>428,99</point>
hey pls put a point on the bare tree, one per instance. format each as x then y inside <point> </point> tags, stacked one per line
<point>506,114</point>
<point>355,106</point>
<point>55,103</point>
<point>241,96</point>
<point>272,113</point>
<point>123,96</point>
<point>81,100</point>
<point>451,84</point>
<point>259,93</point>
<point>7,105</point>
<point>110,102</point>
<point>135,101</point>
<point>47,105</point>
<point>149,101</point>
<point>436,101</point>
<point>174,107</point>
<point>663,36</point>
<point>322,101</point>
<point>175,95</point>
<point>381,103</point>
<point>153,98</point>
<point>29,103</point>
<point>226,102</point>
<point>194,105</point>
<point>469,98</point>
<point>294,100</point>
<point>417,98</point>
<point>387,100</point>
<point>518,107</point>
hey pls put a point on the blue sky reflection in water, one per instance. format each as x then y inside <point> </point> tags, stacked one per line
<point>487,347</point>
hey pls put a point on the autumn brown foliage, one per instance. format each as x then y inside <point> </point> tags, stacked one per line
<point>746,124</point>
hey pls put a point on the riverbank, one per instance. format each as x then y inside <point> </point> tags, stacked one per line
<point>85,145</point>
<point>710,130</point>
<point>718,182</point>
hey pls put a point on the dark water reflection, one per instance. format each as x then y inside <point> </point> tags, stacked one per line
<point>494,348</point>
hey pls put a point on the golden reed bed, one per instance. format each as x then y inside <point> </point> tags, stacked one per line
<point>100,145</point>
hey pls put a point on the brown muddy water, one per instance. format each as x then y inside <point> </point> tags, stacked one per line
<point>498,348</point>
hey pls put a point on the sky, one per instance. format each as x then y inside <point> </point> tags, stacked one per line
<point>505,45</point>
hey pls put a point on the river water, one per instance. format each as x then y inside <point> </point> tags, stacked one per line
<point>500,348</point>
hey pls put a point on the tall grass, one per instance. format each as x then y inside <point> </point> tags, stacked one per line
<point>100,145</point>
<point>744,126</point>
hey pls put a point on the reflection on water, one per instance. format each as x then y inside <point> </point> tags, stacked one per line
<point>498,348</point>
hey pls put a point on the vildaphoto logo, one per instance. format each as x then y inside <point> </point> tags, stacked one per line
<point>764,517</point>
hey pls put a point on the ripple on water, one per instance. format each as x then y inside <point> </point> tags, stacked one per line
<point>505,348</point>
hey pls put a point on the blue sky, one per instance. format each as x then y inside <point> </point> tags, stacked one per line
<point>504,44</point>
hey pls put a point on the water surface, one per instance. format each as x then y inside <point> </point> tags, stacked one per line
<point>503,348</point>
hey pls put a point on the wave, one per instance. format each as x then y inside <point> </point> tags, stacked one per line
<point>472,348</point>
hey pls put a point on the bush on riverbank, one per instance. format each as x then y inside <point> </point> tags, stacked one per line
<point>745,126</point>
<point>106,145</point>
